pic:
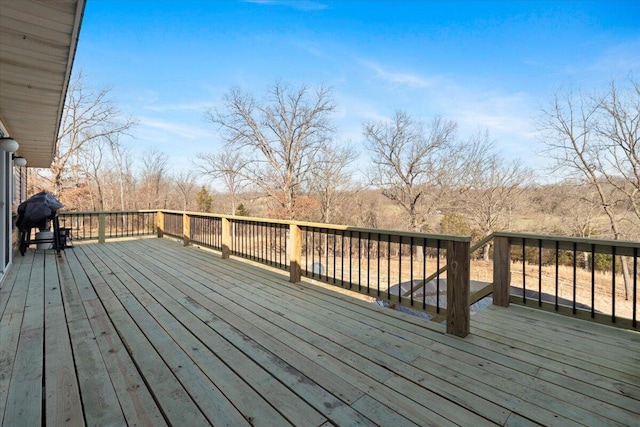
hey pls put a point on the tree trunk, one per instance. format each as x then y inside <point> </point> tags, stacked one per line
<point>485,251</point>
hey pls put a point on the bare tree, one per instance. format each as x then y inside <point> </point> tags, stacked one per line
<point>494,185</point>
<point>586,140</point>
<point>89,115</point>
<point>409,161</point>
<point>618,131</point>
<point>332,178</point>
<point>154,169</point>
<point>581,209</point>
<point>92,158</point>
<point>186,184</point>
<point>228,166</point>
<point>280,135</point>
<point>122,161</point>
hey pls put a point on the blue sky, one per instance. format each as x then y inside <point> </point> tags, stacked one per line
<point>486,65</point>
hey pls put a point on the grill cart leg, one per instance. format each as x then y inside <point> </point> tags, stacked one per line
<point>23,241</point>
<point>56,234</point>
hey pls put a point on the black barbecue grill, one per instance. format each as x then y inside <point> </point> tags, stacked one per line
<point>39,211</point>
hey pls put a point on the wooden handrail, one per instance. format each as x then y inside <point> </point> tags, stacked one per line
<point>337,227</point>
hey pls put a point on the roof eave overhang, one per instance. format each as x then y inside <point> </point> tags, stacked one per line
<point>38,43</point>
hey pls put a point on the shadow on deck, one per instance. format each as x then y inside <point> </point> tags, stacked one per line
<point>147,332</point>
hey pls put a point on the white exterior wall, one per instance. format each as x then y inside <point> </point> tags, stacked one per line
<point>6,200</point>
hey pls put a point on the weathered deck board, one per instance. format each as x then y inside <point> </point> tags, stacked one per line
<point>104,363</point>
<point>63,404</point>
<point>13,307</point>
<point>146,332</point>
<point>24,397</point>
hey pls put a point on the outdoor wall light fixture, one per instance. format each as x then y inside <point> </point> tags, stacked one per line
<point>9,144</point>
<point>19,161</point>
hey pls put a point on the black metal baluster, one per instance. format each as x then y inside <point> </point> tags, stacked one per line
<point>275,249</point>
<point>359,261</point>
<point>411,269</point>
<point>368,260</point>
<point>438,245</point>
<point>350,258</point>
<point>557,275</point>
<point>399,269</point>
<point>424,273</point>
<point>269,234</point>
<point>249,240</point>
<point>524,277</point>
<point>593,280</point>
<point>613,284</point>
<point>335,243</point>
<point>260,241</point>
<point>306,250</point>
<point>326,254</point>
<point>539,272</point>
<point>256,242</point>
<point>575,272</point>
<point>389,266</point>
<point>244,238</point>
<point>378,263</point>
<point>313,252</point>
<point>265,239</point>
<point>280,229</point>
<point>635,287</point>
<point>342,258</point>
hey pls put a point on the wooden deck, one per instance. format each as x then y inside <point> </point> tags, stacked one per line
<point>147,332</point>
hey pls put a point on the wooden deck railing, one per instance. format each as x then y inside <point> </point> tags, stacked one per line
<point>103,225</point>
<point>588,278</point>
<point>378,263</point>
<point>424,272</point>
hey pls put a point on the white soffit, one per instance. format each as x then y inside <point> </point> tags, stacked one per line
<point>38,41</point>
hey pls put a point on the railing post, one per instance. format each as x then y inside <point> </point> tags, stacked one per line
<point>226,238</point>
<point>501,271</point>
<point>295,253</point>
<point>160,224</point>
<point>102,226</point>
<point>186,229</point>
<point>458,281</point>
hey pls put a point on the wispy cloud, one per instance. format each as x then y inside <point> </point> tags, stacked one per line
<point>313,48</point>
<point>507,117</point>
<point>619,59</point>
<point>303,5</point>
<point>150,128</point>
<point>194,106</point>
<point>398,77</point>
